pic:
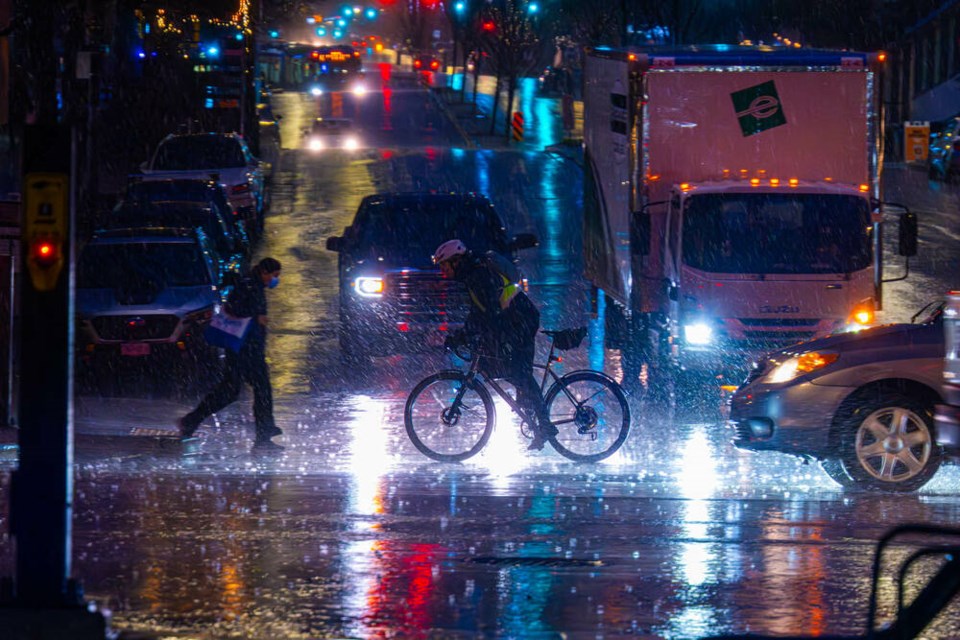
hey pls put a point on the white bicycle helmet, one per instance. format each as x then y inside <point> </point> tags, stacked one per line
<point>449,249</point>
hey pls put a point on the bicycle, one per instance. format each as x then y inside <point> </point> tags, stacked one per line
<point>450,415</point>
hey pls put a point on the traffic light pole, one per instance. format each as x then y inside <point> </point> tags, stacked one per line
<point>44,601</point>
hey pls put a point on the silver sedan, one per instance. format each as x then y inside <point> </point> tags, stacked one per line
<point>861,403</point>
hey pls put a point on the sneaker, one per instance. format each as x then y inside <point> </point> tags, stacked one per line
<point>267,446</point>
<point>185,433</point>
<point>541,436</point>
<point>273,432</point>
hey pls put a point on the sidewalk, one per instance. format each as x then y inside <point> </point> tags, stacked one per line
<point>542,117</point>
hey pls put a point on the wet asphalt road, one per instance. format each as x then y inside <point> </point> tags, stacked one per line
<point>352,533</point>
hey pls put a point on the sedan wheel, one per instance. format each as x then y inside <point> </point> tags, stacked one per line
<point>889,445</point>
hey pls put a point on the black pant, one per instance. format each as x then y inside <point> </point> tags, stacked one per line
<point>250,366</point>
<point>510,352</point>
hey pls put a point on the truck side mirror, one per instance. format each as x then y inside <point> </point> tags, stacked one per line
<point>640,232</point>
<point>335,243</point>
<point>907,245</point>
<point>523,241</point>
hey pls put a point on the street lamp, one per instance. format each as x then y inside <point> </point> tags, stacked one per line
<point>533,8</point>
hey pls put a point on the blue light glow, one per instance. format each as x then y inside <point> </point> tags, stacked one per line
<point>371,13</point>
<point>239,37</point>
<point>213,51</point>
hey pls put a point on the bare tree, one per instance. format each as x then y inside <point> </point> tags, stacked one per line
<point>513,44</point>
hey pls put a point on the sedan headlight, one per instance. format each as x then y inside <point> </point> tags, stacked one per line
<point>798,365</point>
<point>351,143</point>
<point>698,333</point>
<point>369,287</point>
<point>315,144</point>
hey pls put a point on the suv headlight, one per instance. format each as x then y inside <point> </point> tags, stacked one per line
<point>369,287</point>
<point>799,365</point>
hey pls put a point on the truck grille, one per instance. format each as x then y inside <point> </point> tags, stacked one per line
<point>779,322</point>
<point>779,336</point>
<point>130,328</point>
<point>426,296</point>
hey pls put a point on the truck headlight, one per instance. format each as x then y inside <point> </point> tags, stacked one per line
<point>698,333</point>
<point>369,287</point>
<point>796,366</point>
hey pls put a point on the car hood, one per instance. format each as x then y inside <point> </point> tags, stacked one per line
<point>880,337</point>
<point>171,300</point>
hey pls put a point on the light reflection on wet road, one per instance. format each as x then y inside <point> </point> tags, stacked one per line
<point>351,532</point>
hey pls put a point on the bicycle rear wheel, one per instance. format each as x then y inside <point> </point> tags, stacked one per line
<point>591,413</point>
<point>445,424</point>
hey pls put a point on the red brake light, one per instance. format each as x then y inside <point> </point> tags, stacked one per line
<point>434,65</point>
<point>417,64</point>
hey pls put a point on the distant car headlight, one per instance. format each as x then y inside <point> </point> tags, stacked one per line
<point>798,365</point>
<point>317,91</point>
<point>315,144</point>
<point>369,287</point>
<point>359,90</point>
<point>698,333</point>
<point>350,142</point>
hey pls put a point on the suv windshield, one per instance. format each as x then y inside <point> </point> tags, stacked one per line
<point>172,264</point>
<point>411,229</point>
<point>776,233</point>
<point>198,153</point>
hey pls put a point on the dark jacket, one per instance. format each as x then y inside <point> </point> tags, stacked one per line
<point>498,305</point>
<point>248,300</point>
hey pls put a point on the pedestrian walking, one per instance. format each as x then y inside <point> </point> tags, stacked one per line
<point>249,364</point>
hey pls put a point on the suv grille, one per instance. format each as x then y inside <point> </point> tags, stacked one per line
<point>426,296</point>
<point>143,327</point>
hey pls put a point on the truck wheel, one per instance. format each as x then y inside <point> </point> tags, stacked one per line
<point>887,442</point>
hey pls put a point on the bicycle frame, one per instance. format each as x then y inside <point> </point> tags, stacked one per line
<point>548,374</point>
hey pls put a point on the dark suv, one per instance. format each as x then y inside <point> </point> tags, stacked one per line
<point>392,297</point>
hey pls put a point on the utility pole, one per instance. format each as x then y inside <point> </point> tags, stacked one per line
<point>43,600</point>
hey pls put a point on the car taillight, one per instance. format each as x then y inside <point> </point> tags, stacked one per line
<point>417,64</point>
<point>240,188</point>
<point>434,65</point>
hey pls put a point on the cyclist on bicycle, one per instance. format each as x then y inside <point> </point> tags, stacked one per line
<point>506,321</point>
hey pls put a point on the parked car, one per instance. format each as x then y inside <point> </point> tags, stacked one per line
<point>223,157</point>
<point>228,247</point>
<point>393,299</point>
<point>331,133</point>
<point>944,152</point>
<point>150,189</point>
<point>862,403</point>
<point>947,417</point>
<point>146,293</point>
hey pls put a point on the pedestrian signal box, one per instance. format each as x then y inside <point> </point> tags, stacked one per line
<point>46,206</point>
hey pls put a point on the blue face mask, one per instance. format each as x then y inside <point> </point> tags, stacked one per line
<point>274,281</point>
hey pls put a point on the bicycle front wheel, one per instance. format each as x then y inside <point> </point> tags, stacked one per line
<point>591,413</point>
<point>448,419</point>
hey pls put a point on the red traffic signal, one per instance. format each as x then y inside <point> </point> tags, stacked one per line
<point>45,252</point>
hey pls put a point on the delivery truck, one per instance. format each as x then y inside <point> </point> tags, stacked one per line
<point>732,199</point>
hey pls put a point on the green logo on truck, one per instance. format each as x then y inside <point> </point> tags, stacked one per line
<point>758,108</point>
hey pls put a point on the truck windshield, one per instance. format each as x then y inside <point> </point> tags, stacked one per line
<point>776,233</point>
